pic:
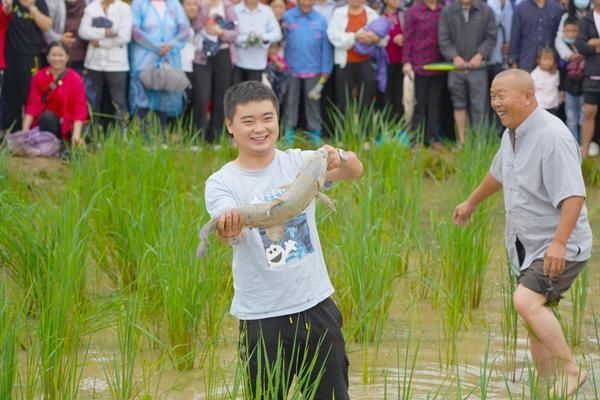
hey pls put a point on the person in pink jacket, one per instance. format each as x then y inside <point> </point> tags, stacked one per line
<point>216,28</point>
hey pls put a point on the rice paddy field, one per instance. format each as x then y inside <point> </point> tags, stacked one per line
<point>102,297</point>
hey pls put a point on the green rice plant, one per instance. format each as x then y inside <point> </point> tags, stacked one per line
<point>579,294</point>
<point>591,172</point>
<point>120,373</point>
<point>217,288</point>
<point>594,376</point>
<point>355,126</point>
<point>485,371</point>
<point>405,370</point>
<point>180,280</point>
<point>22,249</point>
<point>473,163</point>
<point>8,344</point>
<point>61,296</point>
<point>464,250</point>
<point>369,258</point>
<point>439,165</point>
<point>509,322</point>
<point>456,248</point>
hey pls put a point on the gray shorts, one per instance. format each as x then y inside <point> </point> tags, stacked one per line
<point>469,90</point>
<point>533,278</point>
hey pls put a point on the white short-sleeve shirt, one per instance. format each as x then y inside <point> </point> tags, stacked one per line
<point>543,170</point>
<point>271,277</point>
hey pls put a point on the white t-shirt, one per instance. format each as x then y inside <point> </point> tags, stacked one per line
<point>278,277</point>
<point>187,55</point>
<point>546,88</point>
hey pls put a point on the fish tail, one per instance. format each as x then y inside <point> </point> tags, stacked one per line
<point>204,232</point>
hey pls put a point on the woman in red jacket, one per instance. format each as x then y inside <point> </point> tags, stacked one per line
<point>56,101</point>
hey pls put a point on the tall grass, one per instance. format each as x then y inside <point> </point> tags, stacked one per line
<point>465,250</point>
<point>579,295</point>
<point>373,235</point>
<point>509,323</point>
<point>180,280</point>
<point>132,210</point>
<point>8,344</point>
<point>356,126</point>
<point>62,300</point>
<point>120,372</point>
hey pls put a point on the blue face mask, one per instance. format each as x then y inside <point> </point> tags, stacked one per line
<point>569,41</point>
<point>582,4</point>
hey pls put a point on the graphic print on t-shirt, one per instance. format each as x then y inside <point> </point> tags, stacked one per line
<point>291,243</point>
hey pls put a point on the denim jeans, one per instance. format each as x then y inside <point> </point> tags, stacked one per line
<point>574,113</point>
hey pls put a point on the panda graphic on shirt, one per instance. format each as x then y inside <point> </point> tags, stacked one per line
<point>290,244</point>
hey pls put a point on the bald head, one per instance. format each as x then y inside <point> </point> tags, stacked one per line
<point>517,79</point>
<point>513,97</point>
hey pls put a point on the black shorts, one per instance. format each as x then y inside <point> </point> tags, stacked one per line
<point>591,91</point>
<point>533,278</point>
<point>305,345</point>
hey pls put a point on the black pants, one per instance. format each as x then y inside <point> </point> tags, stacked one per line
<point>49,122</point>
<point>146,117</point>
<point>428,108</point>
<point>393,89</point>
<point>359,75</point>
<point>243,75</point>
<point>17,78</point>
<point>116,82</point>
<point>298,339</point>
<point>210,83</point>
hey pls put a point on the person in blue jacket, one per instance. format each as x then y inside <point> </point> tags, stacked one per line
<point>310,58</point>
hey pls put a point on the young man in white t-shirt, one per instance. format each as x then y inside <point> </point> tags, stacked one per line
<point>281,286</point>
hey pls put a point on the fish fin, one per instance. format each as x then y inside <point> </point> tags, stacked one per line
<point>285,187</point>
<point>274,202</point>
<point>275,233</point>
<point>326,199</point>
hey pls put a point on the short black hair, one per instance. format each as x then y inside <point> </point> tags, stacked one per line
<point>571,20</point>
<point>57,43</point>
<point>247,92</point>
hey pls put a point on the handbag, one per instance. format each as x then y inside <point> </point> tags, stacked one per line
<point>164,77</point>
<point>101,22</point>
<point>575,68</point>
<point>33,143</point>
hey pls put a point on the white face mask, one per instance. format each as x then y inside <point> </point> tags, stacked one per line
<point>581,4</point>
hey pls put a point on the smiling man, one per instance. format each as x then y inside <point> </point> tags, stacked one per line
<point>548,237</point>
<point>281,286</point>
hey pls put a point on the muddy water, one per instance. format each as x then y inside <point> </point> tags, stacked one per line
<point>386,370</point>
<point>387,373</point>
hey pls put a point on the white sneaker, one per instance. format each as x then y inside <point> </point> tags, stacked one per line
<point>594,149</point>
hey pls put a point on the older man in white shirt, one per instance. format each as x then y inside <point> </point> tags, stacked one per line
<point>548,237</point>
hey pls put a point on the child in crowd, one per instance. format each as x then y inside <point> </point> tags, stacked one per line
<point>572,78</point>
<point>546,79</point>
